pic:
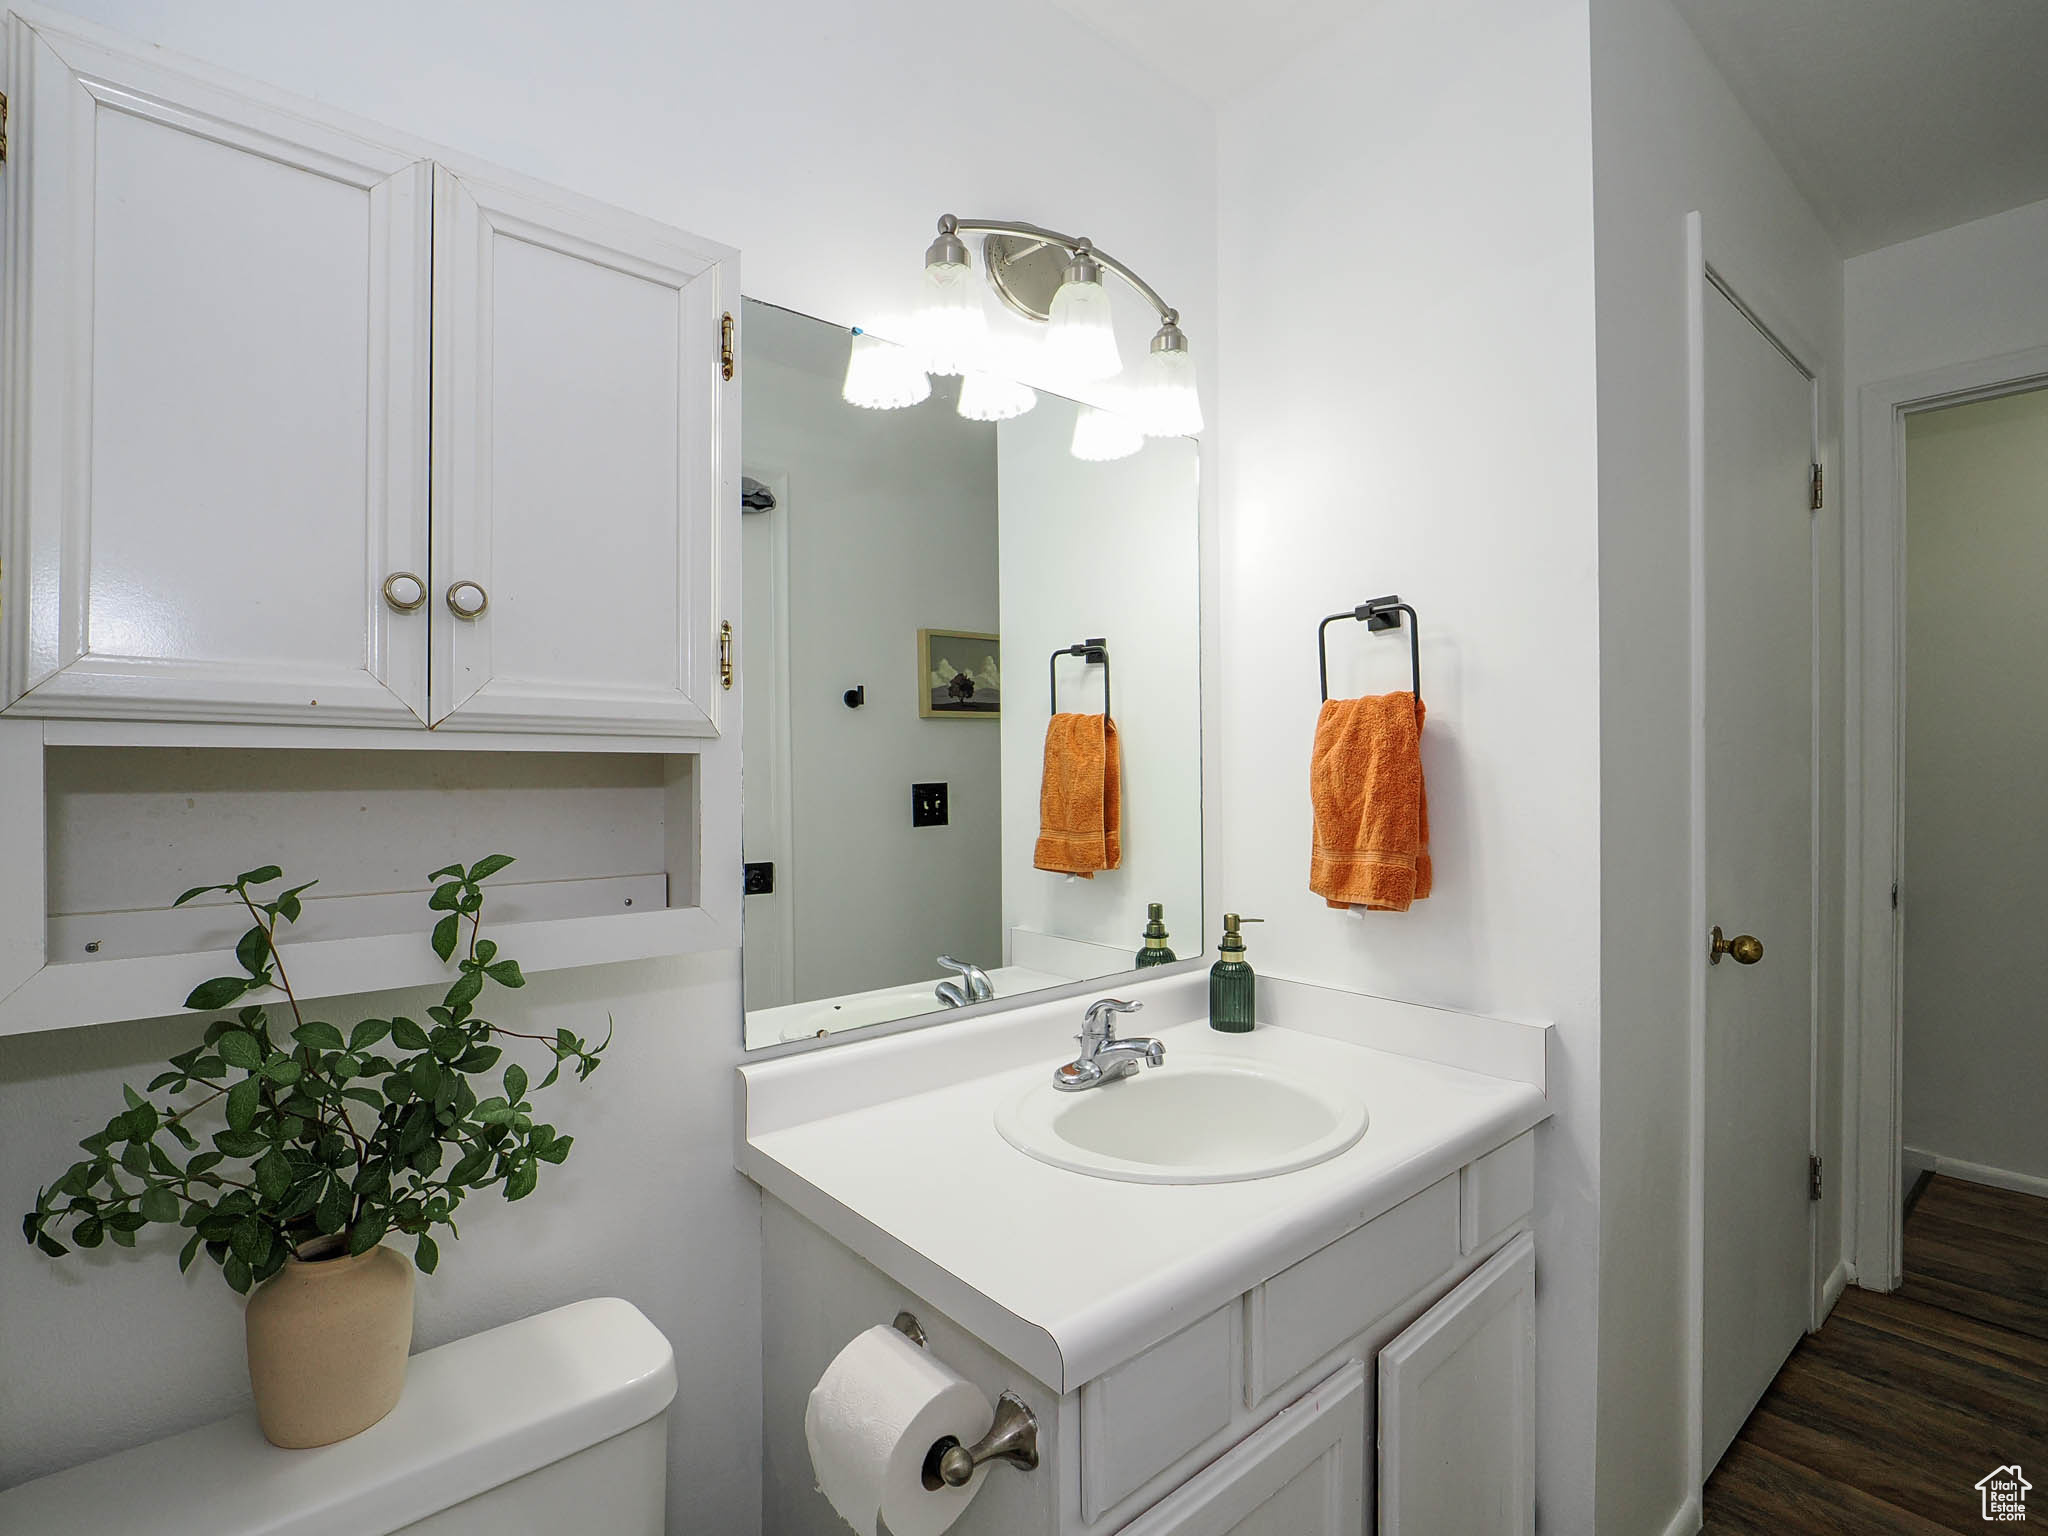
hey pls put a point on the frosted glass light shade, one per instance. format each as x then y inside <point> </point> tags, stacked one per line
<point>949,328</point>
<point>1101,435</point>
<point>881,376</point>
<point>1081,340</point>
<point>1166,403</point>
<point>991,397</point>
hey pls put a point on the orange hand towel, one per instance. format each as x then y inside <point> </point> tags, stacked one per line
<point>1080,799</point>
<point>1372,815</point>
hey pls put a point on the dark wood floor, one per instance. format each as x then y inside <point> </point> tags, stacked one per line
<point>1883,1421</point>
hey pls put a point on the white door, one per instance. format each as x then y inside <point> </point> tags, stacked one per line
<point>1758,1250</point>
<point>216,334</point>
<point>769,954</point>
<point>1301,1475</point>
<point>580,432</point>
<point>1458,1408</point>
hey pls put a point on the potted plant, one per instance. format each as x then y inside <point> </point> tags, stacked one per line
<point>327,1142</point>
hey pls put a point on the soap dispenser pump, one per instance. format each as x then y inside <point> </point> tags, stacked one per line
<point>1155,951</point>
<point>1233,988</point>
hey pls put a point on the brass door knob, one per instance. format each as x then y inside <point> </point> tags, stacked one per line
<point>1743,949</point>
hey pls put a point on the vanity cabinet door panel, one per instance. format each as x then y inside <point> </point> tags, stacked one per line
<point>1301,1475</point>
<point>1140,1418</point>
<point>1457,1408</point>
<point>216,372</point>
<point>582,438</point>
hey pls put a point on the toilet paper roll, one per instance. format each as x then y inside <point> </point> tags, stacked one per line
<point>872,1420</point>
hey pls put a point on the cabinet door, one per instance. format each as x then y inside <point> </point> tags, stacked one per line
<point>1302,1475</point>
<point>581,444</point>
<point>216,369</point>
<point>1458,1408</point>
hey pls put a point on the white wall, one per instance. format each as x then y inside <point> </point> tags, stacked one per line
<point>891,522</point>
<point>761,125</point>
<point>1408,402</point>
<point>1668,139</point>
<point>1976,964</point>
<point>1110,550</point>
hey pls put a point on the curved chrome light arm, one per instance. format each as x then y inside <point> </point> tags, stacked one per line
<point>1072,245</point>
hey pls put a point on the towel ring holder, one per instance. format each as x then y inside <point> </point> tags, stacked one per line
<point>1092,653</point>
<point>1376,614</point>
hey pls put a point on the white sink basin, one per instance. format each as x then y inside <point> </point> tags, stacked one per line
<point>1194,1120</point>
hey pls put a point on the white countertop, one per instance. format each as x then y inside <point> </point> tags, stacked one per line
<point>891,1147</point>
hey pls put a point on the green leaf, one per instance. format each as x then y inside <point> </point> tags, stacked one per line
<point>239,1048</point>
<point>368,1033</point>
<point>188,1253</point>
<point>323,1037</point>
<point>251,1239</point>
<point>408,1036</point>
<point>159,1204</point>
<point>50,1245</point>
<point>174,1080</point>
<point>217,993</point>
<point>446,933</point>
<point>287,903</point>
<point>556,1150</point>
<point>197,890</point>
<point>426,1254</point>
<point>184,1137</point>
<point>515,1082</point>
<point>135,1157</point>
<point>524,1176</point>
<point>331,1214</point>
<point>237,1274</point>
<point>472,1168</point>
<point>253,952</point>
<point>447,871</point>
<point>369,1096</point>
<point>273,1175</point>
<point>426,1077</point>
<point>478,1058</point>
<point>488,866</point>
<point>87,1233</point>
<point>506,973</point>
<point>202,1162</point>
<point>244,1099</point>
<point>263,876</point>
<point>240,1143</point>
<point>486,951</point>
<point>446,898</point>
<point>368,1233</point>
<point>283,1069</point>
<point>464,992</point>
<point>449,1042</point>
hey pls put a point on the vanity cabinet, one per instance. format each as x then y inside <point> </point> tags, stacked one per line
<point>307,426</point>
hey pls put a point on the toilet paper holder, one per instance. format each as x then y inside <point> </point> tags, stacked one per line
<point>1012,1436</point>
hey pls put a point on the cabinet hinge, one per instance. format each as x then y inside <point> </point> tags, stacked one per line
<point>1814,1183</point>
<point>725,653</point>
<point>1818,486</point>
<point>725,365</point>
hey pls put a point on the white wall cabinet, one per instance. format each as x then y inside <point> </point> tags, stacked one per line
<point>221,503</point>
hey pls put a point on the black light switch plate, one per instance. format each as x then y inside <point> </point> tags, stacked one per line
<point>927,805</point>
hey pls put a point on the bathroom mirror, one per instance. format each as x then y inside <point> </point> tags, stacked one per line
<point>908,575</point>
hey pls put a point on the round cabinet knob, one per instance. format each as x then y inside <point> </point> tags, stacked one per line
<point>404,591</point>
<point>467,600</point>
<point>1743,949</point>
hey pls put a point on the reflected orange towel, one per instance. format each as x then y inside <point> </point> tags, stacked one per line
<point>1080,799</point>
<point>1372,814</point>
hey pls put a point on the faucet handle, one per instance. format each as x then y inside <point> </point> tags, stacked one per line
<point>957,967</point>
<point>1097,1020</point>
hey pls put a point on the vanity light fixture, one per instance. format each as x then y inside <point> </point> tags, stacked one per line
<point>1081,338</point>
<point>1101,435</point>
<point>948,326</point>
<point>1166,399</point>
<point>881,376</point>
<point>992,397</point>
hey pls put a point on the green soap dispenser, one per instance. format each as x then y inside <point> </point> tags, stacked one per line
<point>1155,951</point>
<point>1233,988</point>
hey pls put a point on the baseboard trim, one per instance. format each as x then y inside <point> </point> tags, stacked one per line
<point>1979,1173</point>
<point>1831,1288</point>
<point>1688,1520</point>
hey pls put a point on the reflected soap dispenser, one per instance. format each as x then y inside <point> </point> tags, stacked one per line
<point>1233,988</point>
<point>1155,951</point>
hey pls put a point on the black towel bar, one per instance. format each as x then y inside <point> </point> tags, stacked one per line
<point>1380,613</point>
<point>1092,652</point>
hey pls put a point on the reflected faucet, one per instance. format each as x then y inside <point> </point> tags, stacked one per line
<point>972,987</point>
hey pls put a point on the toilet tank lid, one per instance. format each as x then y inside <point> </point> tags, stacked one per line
<point>476,1413</point>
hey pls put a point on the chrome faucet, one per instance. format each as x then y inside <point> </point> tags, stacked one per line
<point>1104,1058</point>
<point>972,987</point>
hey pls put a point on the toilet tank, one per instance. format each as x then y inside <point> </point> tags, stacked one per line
<point>555,1423</point>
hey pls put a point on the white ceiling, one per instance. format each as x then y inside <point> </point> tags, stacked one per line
<point>1894,117</point>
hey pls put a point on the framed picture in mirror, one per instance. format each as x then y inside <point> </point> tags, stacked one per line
<point>959,675</point>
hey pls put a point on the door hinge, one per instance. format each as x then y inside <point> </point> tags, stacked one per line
<point>3,127</point>
<point>1819,488</point>
<point>1895,895</point>
<point>725,364</point>
<point>1814,1181</point>
<point>725,653</point>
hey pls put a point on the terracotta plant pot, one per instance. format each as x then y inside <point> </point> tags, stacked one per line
<point>328,1337</point>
